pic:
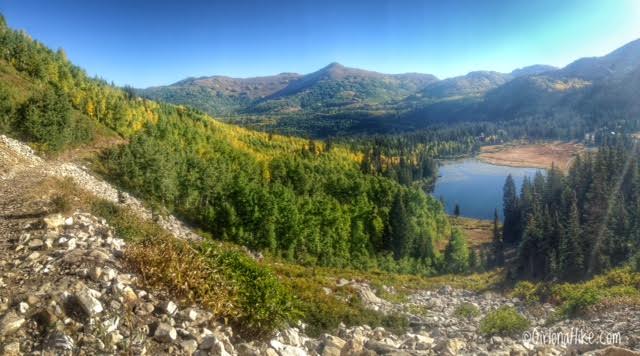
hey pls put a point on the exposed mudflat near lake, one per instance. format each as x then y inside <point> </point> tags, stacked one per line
<point>541,155</point>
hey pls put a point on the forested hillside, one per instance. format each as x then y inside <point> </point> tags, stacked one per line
<point>579,225</point>
<point>586,95</point>
<point>334,88</point>
<point>301,200</point>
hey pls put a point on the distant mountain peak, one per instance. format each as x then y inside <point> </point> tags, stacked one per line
<point>532,70</point>
<point>334,65</point>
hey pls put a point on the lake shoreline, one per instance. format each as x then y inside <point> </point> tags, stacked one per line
<point>475,186</point>
<point>532,155</point>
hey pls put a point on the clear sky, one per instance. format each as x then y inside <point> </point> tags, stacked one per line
<point>158,42</point>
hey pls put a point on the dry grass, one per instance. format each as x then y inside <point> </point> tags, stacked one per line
<point>479,233</point>
<point>164,262</point>
<point>174,265</point>
<point>543,155</point>
<point>63,194</point>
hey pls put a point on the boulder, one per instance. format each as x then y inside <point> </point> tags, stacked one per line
<point>11,349</point>
<point>54,221</point>
<point>36,244</point>
<point>88,299</point>
<point>165,333</point>
<point>379,347</point>
<point>189,346</point>
<point>332,345</point>
<point>355,345</point>
<point>290,336</point>
<point>450,347</point>
<point>10,323</point>
<point>246,349</point>
<point>58,342</point>
<point>167,307</point>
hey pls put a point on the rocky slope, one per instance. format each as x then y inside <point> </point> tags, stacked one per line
<point>65,289</point>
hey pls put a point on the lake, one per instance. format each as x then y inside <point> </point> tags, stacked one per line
<point>475,186</point>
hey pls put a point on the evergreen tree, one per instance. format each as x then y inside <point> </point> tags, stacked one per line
<point>399,224</point>
<point>474,263</point>
<point>456,210</point>
<point>497,244</point>
<point>571,250</point>
<point>510,228</point>
<point>6,109</point>
<point>46,118</point>
<point>531,263</point>
<point>456,254</point>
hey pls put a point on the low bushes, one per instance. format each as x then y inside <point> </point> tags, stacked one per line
<point>503,321</point>
<point>466,311</point>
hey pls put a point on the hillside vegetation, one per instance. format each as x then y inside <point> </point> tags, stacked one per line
<point>565,103</point>
<point>299,200</point>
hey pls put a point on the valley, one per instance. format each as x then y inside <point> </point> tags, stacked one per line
<point>339,212</point>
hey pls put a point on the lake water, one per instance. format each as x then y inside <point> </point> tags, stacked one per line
<point>476,186</point>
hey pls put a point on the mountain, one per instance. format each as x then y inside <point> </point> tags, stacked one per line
<point>342,100</point>
<point>584,88</point>
<point>474,83</point>
<point>220,95</point>
<point>532,70</point>
<point>356,79</point>
<point>334,86</point>
<point>614,65</point>
<point>338,87</point>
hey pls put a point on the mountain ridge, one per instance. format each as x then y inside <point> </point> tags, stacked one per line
<point>341,96</point>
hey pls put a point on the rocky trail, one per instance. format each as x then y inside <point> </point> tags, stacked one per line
<point>65,290</point>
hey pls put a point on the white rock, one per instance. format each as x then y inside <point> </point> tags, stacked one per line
<point>95,273</point>
<point>333,345</point>
<point>290,336</point>
<point>165,333</point>
<point>11,349</point>
<point>168,307</point>
<point>54,221</point>
<point>89,302</point>
<point>189,346</point>
<point>35,244</point>
<point>10,323</point>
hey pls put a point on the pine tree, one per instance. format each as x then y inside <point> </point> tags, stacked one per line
<point>399,224</point>
<point>529,259</point>
<point>497,244</point>
<point>619,247</point>
<point>510,228</point>
<point>473,261</point>
<point>456,254</point>
<point>571,252</point>
<point>456,211</point>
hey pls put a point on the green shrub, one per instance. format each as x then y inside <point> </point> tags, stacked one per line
<point>578,299</point>
<point>467,311</point>
<point>503,321</point>
<point>526,291</point>
<point>46,118</point>
<point>126,224</point>
<point>635,263</point>
<point>324,313</point>
<point>265,304</point>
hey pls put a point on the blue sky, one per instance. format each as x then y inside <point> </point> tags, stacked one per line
<point>146,43</point>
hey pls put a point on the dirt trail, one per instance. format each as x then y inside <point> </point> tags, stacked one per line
<point>16,157</point>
